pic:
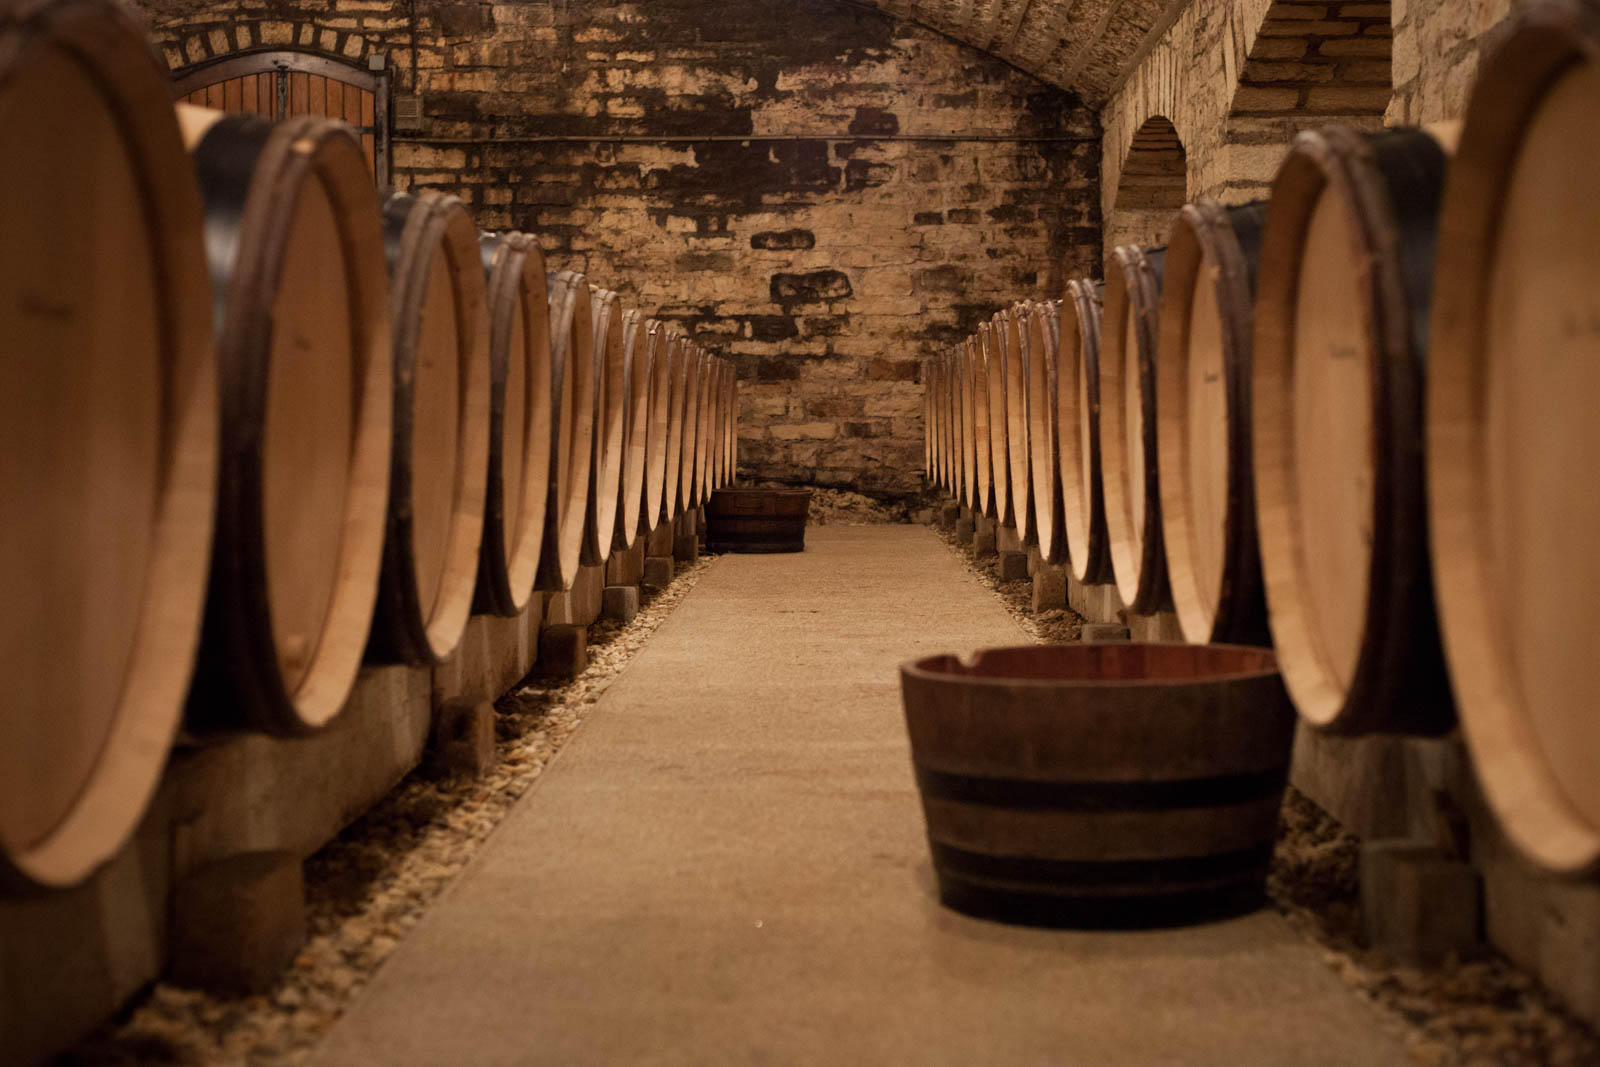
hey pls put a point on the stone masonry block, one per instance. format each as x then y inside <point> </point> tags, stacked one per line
<point>462,738</point>
<point>620,602</point>
<point>1418,904</point>
<point>1006,539</point>
<point>237,923</point>
<point>966,529</point>
<point>658,572</point>
<point>1013,566</point>
<point>563,651</point>
<point>1049,588</point>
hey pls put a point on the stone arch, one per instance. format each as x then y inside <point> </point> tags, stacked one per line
<point>1152,186</point>
<point>189,44</point>
<point>1310,64</point>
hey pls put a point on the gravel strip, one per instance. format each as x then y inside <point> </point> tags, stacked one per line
<point>369,886</point>
<point>1481,1012</point>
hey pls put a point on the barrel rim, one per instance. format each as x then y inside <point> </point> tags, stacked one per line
<point>605,484</point>
<point>997,357</point>
<point>1019,457</point>
<point>573,427</point>
<point>1517,780</point>
<point>126,772</point>
<point>925,668</point>
<point>636,376</point>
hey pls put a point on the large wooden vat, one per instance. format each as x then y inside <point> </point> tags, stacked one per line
<point>108,426</point>
<point>1203,416</point>
<point>1100,784</point>
<point>1512,433</point>
<point>991,336</point>
<point>1043,430</point>
<point>440,456</point>
<point>1078,412</point>
<point>636,380</point>
<point>306,369</point>
<point>1129,471</point>
<point>1341,336</point>
<point>521,422</point>
<point>757,520</point>
<point>572,454</point>
<point>610,374</point>
<point>1018,474</point>
<point>659,353</point>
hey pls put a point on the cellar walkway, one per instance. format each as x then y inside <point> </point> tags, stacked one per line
<point>726,865</point>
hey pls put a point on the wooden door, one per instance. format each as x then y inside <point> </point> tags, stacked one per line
<point>278,85</point>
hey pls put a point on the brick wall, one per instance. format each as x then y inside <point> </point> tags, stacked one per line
<point>824,254</point>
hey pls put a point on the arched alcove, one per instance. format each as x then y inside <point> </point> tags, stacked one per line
<point>1153,185</point>
<point>1309,65</point>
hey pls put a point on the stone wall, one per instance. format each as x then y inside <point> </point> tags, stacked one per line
<point>816,190</point>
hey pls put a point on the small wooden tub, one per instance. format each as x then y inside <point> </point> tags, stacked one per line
<point>1100,785</point>
<point>757,520</point>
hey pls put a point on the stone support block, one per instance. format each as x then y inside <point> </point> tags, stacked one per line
<point>1006,539</point>
<point>658,571</point>
<point>1418,904</point>
<point>620,602</point>
<point>462,738</point>
<point>237,923</point>
<point>563,651</point>
<point>1104,633</point>
<point>1013,566</point>
<point>1049,588</point>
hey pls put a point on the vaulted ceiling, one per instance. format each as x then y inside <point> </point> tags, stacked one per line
<point>1085,45</point>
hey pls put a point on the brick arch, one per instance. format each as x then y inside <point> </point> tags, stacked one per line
<point>1153,184</point>
<point>1310,64</point>
<point>188,43</point>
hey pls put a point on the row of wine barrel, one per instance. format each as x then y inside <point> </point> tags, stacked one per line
<point>259,428</point>
<point>1350,422</point>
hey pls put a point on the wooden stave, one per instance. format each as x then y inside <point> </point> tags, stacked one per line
<point>573,427</point>
<point>1019,474</point>
<point>1392,184</point>
<point>516,279</point>
<point>1083,507</point>
<point>107,804</point>
<point>995,355</point>
<point>417,227</point>
<point>637,392</point>
<point>1540,45</point>
<point>655,481</point>
<point>688,485</point>
<point>1045,491</point>
<point>1141,576</point>
<point>1228,237</point>
<point>252,174</point>
<point>1022,771</point>
<point>605,471</point>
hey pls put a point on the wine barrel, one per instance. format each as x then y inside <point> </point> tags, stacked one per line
<point>731,445</point>
<point>689,483</point>
<point>757,520</point>
<point>1018,474</point>
<point>1100,785</point>
<point>1078,412</point>
<point>572,453</point>
<point>975,404</point>
<point>1043,429</point>
<point>955,387</point>
<point>637,382</point>
<point>521,424</point>
<point>707,429</point>
<point>439,460</point>
<point>1203,419</point>
<point>1341,336</point>
<point>724,474</point>
<point>658,356</point>
<point>929,430</point>
<point>1129,471</point>
<point>992,336</point>
<point>680,354</point>
<point>1512,436</point>
<point>605,486</point>
<point>108,425</point>
<point>306,365</point>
